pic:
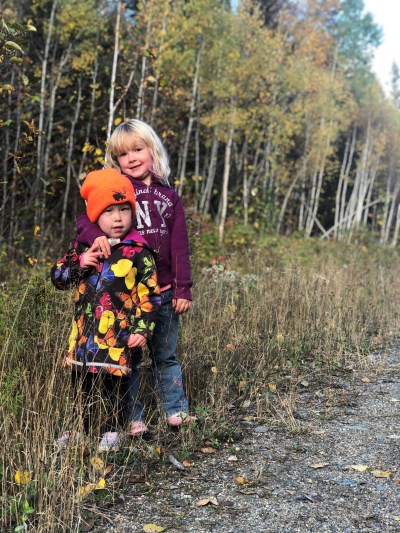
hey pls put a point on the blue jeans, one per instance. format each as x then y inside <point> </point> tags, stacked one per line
<point>166,370</point>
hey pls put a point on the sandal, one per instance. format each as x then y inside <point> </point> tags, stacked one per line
<point>137,428</point>
<point>178,419</point>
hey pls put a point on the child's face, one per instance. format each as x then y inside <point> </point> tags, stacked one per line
<point>116,220</point>
<point>137,161</point>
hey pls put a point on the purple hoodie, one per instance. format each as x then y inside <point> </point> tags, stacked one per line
<point>160,219</point>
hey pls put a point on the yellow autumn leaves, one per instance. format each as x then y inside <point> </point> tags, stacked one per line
<point>90,487</point>
<point>99,466</point>
<point>22,477</point>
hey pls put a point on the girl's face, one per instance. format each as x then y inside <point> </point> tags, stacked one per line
<point>116,220</point>
<point>137,161</point>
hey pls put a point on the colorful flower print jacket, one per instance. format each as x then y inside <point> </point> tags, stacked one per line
<point>120,298</point>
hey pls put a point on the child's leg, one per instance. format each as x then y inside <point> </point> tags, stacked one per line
<point>116,392</point>
<point>135,407</point>
<point>82,386</point>
<point>166,369</point>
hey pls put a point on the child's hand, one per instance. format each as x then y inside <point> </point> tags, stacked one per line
<point>103,245</point>
<point>136,341</point>
<point>90,258</point>
<point>181,305</point>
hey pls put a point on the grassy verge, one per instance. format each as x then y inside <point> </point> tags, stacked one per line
<point>263,321</point>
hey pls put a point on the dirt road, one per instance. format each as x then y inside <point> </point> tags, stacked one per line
<point>336,469</point>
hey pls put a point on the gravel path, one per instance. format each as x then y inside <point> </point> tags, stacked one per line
<point>336,469</point>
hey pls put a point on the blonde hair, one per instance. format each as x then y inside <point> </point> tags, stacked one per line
<point>123,138</point>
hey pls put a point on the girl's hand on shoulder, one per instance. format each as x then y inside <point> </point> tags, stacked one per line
<point>136,341</point>
<point>181,305</point>
<point>103,245</point>
<point>90,258</point>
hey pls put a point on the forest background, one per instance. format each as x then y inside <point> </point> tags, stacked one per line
<point>270,111</point>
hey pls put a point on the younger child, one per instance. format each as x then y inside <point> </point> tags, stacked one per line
<point>136,150</point>
<point>116,300</point>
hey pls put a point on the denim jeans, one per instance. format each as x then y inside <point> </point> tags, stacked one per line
<point>166,370</point>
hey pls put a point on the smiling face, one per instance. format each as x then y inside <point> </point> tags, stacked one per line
<point>136,161</point>
<point>116,220</point>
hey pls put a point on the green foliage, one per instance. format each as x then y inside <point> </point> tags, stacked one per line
<point>292,94</point>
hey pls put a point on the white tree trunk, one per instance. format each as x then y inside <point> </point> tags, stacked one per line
<point>191,117</point>
<point>43,94</point>
<point>69,159</point>
<point>205,200</point>
<point>225,182</point>
<point>111,107</point>
<point>396,228</point>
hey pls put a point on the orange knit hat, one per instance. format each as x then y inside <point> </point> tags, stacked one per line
<point>103,188</point>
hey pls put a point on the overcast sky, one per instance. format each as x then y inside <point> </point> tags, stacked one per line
<point>387,14</point>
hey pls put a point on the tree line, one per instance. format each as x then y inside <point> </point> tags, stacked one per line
<point>269,110</point>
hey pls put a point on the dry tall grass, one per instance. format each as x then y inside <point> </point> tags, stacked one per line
<point>244,330</point>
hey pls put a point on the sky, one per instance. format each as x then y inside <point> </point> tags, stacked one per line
<point>387,14</point>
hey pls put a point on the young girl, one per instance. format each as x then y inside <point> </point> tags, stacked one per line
<point>137,151</point>
<point>116,302</point>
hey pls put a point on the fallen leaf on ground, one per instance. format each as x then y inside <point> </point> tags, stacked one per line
<point>205,501</point>
<point>86,489</point>
<point>319,465</point>
<point>359,468</point>
<point>381,473</point>
<point>186,463</point>
<point>97,463</point>
<point>101,483</point>
<point>208,449</point>
<point>108,469</point>
<point>22,477</point>
<point>153,528</point>
<point>240,480</point>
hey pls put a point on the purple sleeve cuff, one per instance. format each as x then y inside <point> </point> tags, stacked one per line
<point>87,231</point>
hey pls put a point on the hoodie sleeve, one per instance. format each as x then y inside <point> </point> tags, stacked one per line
<point>67,272</point>
<point>180,254</point>
<point>87,231</point>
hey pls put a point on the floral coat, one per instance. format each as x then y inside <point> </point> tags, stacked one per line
<point>120,298</point>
